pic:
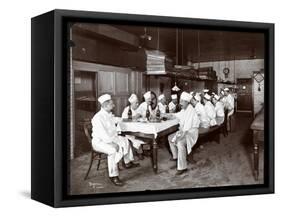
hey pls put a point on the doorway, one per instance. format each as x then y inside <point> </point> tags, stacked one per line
<point>244,95</point>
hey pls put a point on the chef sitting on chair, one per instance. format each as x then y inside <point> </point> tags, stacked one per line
<point>105,139</point>
<point>185,138</point>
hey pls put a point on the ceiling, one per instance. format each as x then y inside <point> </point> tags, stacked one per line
<point>200,45</point>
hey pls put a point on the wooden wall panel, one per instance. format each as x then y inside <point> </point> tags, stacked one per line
<point>122,83</point>
<point>106,82</point>
<point>120,103</point>
<point>117,81</point>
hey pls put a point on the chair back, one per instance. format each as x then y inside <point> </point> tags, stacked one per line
<point>88,130</point>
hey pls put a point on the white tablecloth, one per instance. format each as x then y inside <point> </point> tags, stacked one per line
<point>148,128</point>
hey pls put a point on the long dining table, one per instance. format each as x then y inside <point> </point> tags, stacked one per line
<point>153,131</point>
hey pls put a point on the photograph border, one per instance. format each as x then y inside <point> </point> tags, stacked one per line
<point>52,189</point>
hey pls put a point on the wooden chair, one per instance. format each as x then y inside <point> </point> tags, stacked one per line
<point>94,154</point>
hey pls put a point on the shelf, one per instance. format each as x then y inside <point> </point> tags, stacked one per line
<point>225,82</point>
<point>182,77</point>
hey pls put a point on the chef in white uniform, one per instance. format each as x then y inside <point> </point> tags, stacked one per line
<point>134,104</point>
<point>219,108</point>
<point>105,139</point>
<point>162,103</point>
<point>146,104</point>
<point>184,139</point>
<point>210,109</point>
<point>173,104</point>
<point>205,91</point>
<point>229,105</point>
<point>229,102</point>
<point>222,98</point>
<point>200,110</point>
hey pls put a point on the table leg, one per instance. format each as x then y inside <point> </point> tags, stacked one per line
<point>256,160</point>
<point>256,156</point>
<point>154,155</point>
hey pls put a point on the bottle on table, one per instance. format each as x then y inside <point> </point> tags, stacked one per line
<point>167,109</point>
<point>158,113</point>
<point>130,113</point>
<point>178,108</point>
<point>147,114</point>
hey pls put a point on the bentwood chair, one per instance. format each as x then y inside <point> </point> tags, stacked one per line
<point>94,154</point>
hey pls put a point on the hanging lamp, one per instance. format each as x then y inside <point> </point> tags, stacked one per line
<point>198,48</point>
<point>175,87</point>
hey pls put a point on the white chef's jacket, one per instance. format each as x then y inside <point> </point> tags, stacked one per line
<point>172,107</point>
<point>223,101</point>
<point>229,104</point>
<point>136,142</point>
<point>219,109</point>
<point>211,112</point>
<point>189,123</point>
<point>104,131</point>
<point>142,109</point>
<point>162,108</point>
<point>202,115</point>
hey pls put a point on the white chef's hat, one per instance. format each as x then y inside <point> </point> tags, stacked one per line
<point>103,98</point>
<point>226,89</point>
<point>133,98</point>
<point>174,96</point>
<point>205,90</point>
<point>216,97</point>
<point>207,96</point>
<point>161,97</point>
<point>147,95</point>
<point>186,96</point>
<point>197,97</point>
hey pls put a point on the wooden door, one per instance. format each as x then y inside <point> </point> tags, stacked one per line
<point>244,95</point>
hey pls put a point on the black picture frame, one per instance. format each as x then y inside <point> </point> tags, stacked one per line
<point>49,109</point>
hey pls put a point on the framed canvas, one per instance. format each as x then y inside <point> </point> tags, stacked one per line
<point>133,108</point>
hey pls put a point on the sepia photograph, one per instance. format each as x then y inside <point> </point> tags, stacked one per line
<point>164,107</point>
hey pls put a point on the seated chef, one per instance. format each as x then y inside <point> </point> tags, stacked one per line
<point>210,109</point>
<point>134,104</point>
<point>105,139</point>
<point>200,110</point>
<point>219,108</point>
<point>145,105</point>
<point>185,138</point>
<point>205,91</point>
<point>173,105</point>
<point>163,107</point>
